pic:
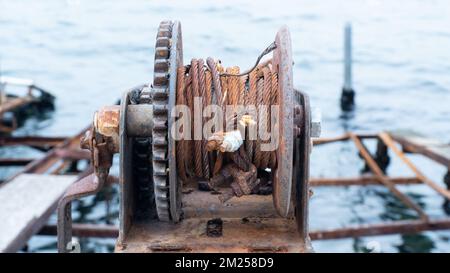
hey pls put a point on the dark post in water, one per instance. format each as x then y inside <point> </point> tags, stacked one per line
<point>348,94</point>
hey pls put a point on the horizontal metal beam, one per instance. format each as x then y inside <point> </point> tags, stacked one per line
<point>51,159</point>
<point>397,227</point>
<point>73,154</point>
<point>33,141</point>
<point>419,145</point>
<point>344,137</point>
<point>84,230</point>
<point>361,181</point>
<point>15,161</point>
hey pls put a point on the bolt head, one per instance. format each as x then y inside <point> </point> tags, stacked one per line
<point>316,122</point>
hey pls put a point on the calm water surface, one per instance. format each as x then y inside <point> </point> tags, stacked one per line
<point>87,53</point>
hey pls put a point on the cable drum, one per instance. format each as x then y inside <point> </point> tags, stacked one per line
<point>246,146</point>
<point>234,93</point>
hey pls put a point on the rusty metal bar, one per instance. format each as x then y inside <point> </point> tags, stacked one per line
<point>72,154</point>
<point>89,170</point>
<point>84,230</point>
<point>362,181</point>
<point>383,179</point>
<point>63,165</point>
<point>397,227</point>
<point>88,185</point>
<point>344,137</point>
<point>390,143</point>
<point>32,141</point>
<point>69,155</point>
<point>15,161</point>
<point>412,147</point>
<point>51,158</point>
<point>324,140</point>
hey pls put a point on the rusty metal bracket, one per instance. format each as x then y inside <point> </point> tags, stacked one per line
<point>102,150</point>
<point>91,184</point>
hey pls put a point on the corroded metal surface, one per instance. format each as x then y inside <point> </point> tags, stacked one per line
<point>245,221</point>
<point>300,176</point>
<point>106,120</point>
<point>176,60</point>
<point>239,235</point>
<point>282,184</point>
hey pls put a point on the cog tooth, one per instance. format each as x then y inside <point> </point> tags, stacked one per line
<point>160,110</point>
<point>162,188</point>
<point>161,65</point>
<point>159,141</point>
<point>160,173</point>
<point>159,155</point>
<point>162,53</point>
<point>160,93</point>
<point>163,197</point>
<point>164,32</point>
<point>159,125</point>
<point>161,79</point>
<point>159,166</point>
<point>160,181</point>
<point>162,42</point>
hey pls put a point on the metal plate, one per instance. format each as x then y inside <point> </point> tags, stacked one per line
<point>126,176</point>
<point>300,179</point>
<point>176,60</point>
<point>282,60</point>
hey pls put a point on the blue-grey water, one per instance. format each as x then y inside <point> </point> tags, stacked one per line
<point>88,52</point>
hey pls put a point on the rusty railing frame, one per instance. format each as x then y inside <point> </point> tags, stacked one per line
<point>379,178</point>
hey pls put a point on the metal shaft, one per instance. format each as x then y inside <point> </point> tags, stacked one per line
<point>140,120</point>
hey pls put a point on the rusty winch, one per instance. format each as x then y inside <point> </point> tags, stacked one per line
<point>211,158</point>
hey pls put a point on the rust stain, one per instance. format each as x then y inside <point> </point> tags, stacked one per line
<point>107,120</point>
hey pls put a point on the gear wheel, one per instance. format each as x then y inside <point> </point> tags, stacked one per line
<point>168,56</point>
